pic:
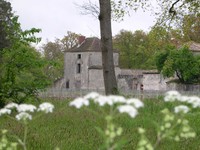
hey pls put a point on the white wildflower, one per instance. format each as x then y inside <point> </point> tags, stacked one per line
<point>181,108</point>
<point>172,96</point>
<point>11,105</point>
<point>184,98</point>
<point>103,100</point>
<point>194,101</point>
<point>4,111</point>
<point>26,108</point>
<point>92,95</point>
<point>136,102</point>
<point>130,110</point>
<point>117,99</point>
<point>46,107</point>
<point>79,102</point>
<point>23,116</point>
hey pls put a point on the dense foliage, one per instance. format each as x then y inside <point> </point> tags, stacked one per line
<point>179,62</point>
<point>5,24</point>
<point>138,49</point>
<point>132,48</point>
<point>21,74</point>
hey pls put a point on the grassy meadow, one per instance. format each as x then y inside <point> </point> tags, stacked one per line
<point>72,129</point>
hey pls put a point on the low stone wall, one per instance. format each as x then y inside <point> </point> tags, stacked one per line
<point>183,87</point>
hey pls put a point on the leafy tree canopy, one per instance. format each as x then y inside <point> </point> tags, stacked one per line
<point>21,73</point>
<point>179,62</point>
<point>5,23</point>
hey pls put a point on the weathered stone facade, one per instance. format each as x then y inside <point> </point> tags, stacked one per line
<point>85,72</point>
<point>152,80</point>
<point>83,66</point>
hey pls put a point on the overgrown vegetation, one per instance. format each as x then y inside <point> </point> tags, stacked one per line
<point>69,128</point>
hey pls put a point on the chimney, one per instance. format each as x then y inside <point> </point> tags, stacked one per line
<point>81,39</point>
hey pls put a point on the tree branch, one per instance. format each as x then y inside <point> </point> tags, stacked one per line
<point>171,10</point>
<point>89,8</point>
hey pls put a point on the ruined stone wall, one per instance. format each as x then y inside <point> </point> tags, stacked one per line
<point>183,87</point>
<point>154,81</point>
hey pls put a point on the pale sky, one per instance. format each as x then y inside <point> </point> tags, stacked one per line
<point>56,17</point>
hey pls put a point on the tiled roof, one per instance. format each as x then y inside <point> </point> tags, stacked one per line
<point>89,45</point>
<point>92,44</point>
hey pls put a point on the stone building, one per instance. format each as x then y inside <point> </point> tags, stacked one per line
<point>83,65</point>
<point>83,70</point>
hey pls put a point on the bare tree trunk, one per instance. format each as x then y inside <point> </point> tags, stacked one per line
<point>107,47</point>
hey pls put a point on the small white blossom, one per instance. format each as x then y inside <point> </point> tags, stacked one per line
<point>136,102</point>
<point>26,108</point>
<point>172,96</point>
<point>11,105</point>
<point>46,107</point>
<point>103,100</point>
<point>79,102</point>
<point>4,111</point>
<point>194,101</point>
<point>92,95</point>
<point>23,116</point>
<point>117,99</point>
<point>130,110</point>
<point>184,98</point>
<point>181,108</point>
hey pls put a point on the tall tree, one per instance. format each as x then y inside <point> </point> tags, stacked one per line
<point>190,27</point>
<point>124,43</point>
<point>70,40</point>
<point>5,24</point>
<point>110,81</point>
<point>133,48</point>
<point>21,76</point>
<point>54,56</point>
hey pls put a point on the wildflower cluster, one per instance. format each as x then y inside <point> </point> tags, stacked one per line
<point>116,103</point>
<point>128,106</point>
<point>178,119</point>
<point>23,114</point>
<point>25,110</point>
<point>174,124</point>
<point>172,96</point>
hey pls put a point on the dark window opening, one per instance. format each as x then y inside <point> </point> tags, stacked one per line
<point>67,85</point>
<point>79,56</point>
<point>78,68</point>
<point>141,87</point>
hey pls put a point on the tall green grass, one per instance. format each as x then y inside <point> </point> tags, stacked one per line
<point>72,129</point>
